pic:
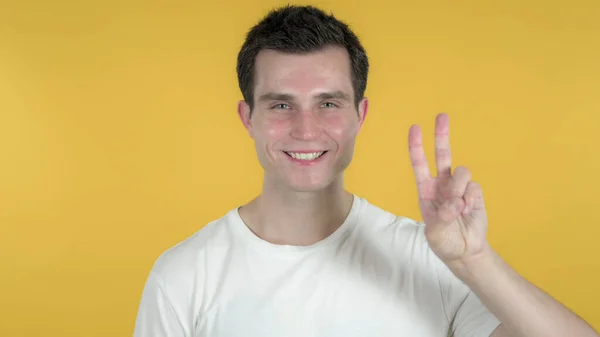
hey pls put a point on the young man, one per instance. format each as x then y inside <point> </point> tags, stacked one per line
<point>308,258</point>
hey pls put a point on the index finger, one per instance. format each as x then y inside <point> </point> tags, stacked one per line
<point>417,154</point>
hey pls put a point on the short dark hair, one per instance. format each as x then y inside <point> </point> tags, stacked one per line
<point>300,29</point>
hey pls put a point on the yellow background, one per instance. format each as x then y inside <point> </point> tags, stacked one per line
<point>119,138</point>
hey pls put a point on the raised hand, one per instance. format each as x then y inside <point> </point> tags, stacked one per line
<point>451,204</point>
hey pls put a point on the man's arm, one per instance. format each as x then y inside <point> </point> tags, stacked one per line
<point>456,224</point>
<point>523,309</point>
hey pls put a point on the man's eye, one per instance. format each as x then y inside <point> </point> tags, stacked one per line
<point>329,105</point>
<point>281,106</point>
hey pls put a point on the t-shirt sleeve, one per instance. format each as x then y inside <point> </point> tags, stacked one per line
<point>156,315</point>
<point>466,314</point>
<point>472,319</point>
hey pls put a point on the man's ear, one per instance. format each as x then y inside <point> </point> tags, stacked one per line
<point>363,109</point>
<point>244,113</point>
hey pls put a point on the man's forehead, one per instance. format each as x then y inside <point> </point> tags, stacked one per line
<point>315,72</point>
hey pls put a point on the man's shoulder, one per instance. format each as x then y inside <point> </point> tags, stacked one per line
<point>379,220</point>
<point>185,256</point>
<point>401,236</point>
<point>402,240</point>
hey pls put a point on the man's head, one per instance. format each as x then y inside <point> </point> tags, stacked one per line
<point>303,75</point>
<point>300,30</point>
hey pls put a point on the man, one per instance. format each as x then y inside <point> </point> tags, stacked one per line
<point>308,258</point>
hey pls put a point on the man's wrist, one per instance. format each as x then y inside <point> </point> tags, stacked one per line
<point>476,267</point>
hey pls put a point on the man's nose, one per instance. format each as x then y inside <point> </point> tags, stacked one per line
<point>306,125</point>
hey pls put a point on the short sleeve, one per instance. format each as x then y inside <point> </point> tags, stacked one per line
<point>156,316</point>
<point>472,319</point>
<point>467,315</point>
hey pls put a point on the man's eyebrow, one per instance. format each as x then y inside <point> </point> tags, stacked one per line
<point>274,96</point>
<point>334,95</point>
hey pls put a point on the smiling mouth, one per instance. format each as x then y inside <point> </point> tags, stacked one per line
<point>305,156</point>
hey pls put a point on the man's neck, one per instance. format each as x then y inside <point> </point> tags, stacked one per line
<point>297,218</point>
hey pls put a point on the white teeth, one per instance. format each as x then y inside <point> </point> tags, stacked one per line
<point>305,156</point>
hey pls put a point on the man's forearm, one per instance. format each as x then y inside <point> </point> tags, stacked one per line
<point>523,309</point>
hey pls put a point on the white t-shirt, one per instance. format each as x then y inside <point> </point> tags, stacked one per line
<point>375,276</point>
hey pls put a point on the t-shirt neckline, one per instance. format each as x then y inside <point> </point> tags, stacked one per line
<point>249,237</point>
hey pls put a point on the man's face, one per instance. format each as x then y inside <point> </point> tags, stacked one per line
<point>304,122</point>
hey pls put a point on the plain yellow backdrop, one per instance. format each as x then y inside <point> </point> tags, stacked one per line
<point>119,138</point>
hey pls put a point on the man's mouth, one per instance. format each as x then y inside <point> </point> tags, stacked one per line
<point>308,156</point>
